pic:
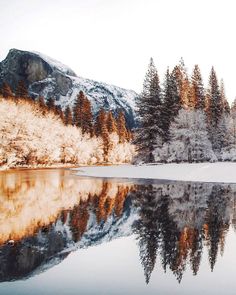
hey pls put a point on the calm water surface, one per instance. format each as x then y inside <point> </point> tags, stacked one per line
<point>63,234</point>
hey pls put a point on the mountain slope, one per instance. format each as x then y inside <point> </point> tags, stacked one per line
<point>47,77</point>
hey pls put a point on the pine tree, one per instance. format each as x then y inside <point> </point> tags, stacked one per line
<point>171,103</point>
<point>233,108</point>
<point>102,131</point>
<point>77,110</point>
<point>6,90</point>
<point>198,96</point>
<point>21,90</point>
<point>59,112</point>
<point>225,103</point>
<point>68,120</point>
<point>100,122</point>
<point>215,111</point>
<point>87,117</point>
<point>51,104</point>
<point>82,114</point>
<point>41,102</point>
<point>182,83</point>
<point>121,127</point>
<point>150,132</point>
<point>42,105</point>
<point>111,123</point>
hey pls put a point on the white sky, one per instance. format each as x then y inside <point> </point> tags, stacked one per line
<point>112,40</point>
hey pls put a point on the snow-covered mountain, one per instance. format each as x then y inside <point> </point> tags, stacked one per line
<point>47,77</point>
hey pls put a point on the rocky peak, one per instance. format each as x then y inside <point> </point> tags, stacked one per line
<point>47,77</point>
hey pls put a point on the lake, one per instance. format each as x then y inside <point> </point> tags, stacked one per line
<point>64,234</point>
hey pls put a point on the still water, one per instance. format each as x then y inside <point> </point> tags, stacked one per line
<point>64,234</point>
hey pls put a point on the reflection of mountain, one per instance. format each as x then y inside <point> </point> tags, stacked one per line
<point>51,213</point>
<point>63,214</point>
<point>30,200</point>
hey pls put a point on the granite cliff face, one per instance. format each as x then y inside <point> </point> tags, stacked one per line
<point>47,77</point>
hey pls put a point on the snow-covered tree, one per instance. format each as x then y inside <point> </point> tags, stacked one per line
<point>30,137</point>
<point>171,104</point>
<point>228,152</point>
<point>188,139</point>
<point>224,100</point>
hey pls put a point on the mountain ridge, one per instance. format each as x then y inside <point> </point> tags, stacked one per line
<point>47,77</point>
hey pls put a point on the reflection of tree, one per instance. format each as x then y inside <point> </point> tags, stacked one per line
<point>111,199</point>
<point>175,220</point>
<point>169,236</point>
<point>146,228</point>
<point>43,243</point>
<point>196,250</point>
<point>78,220</point>
<point>35,199</point>
<point>216,220</point>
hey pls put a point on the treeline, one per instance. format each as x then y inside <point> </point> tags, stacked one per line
<point>108,128</point>
<point>79,115</point>
<point>183,121</point>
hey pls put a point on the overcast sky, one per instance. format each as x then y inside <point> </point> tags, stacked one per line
<point>113,40</point>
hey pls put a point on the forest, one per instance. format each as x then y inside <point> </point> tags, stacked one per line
<point>182,121</point>
<point>179,120</point>
<point>35,133</point>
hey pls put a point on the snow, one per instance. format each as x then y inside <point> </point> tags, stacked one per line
<point>223,172</point>
<point>55,64</point>
<point>98,93</point>
<point>28,137</point>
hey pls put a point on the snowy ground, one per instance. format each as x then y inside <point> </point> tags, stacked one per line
<point>205,172</point>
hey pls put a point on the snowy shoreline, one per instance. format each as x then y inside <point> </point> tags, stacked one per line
<point>222,172</point>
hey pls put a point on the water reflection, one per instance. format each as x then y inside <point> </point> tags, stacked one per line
<point>50,213</point>
<point>177,220</point>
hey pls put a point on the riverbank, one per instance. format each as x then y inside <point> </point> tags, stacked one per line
<point>223,172</point>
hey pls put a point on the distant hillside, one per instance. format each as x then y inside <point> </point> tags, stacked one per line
<point>49,78</point>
